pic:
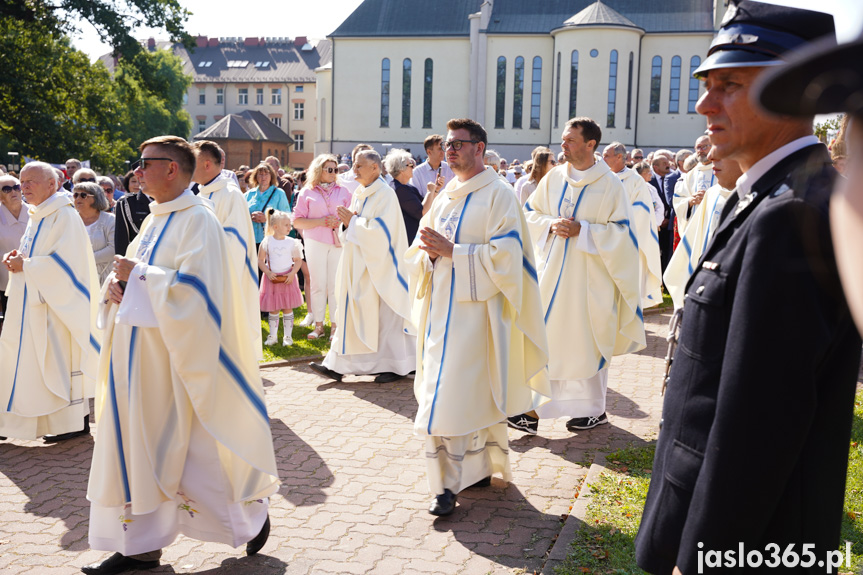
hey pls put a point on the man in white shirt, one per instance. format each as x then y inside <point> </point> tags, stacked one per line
<point>434,170</point>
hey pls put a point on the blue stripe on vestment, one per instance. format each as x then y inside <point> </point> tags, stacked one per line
<point>448,314</point>
<point>159,239</point>
<point>345,322</point>
<point>639,313</point>
<point>653,233</point>
<point>601,364</point>
<point>116,416</point>
<point>688,249</point>
<point>565,251</point>
<point>132,338</point>
<point>234,232</point>
<point>563,195</point>
<point>392,253</point>
<point>529,268</point>
<point>199,286</point>
<point>75,282</point>
<point>235,372</point>
<point>509,234</point>
<point>642,205</point>
<point>629,229</point>
<point>95,344</point>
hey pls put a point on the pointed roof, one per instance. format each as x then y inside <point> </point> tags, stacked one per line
<point>247,125</point>
<point>598,14</point>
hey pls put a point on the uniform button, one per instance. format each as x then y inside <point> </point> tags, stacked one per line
<point>700,290</point>
<point>661,422</point>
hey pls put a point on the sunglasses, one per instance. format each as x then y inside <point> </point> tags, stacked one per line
<point>142,163</point>
<point>10,189</point>
<point>331,170</point>
<point>91,180</point>
<point>81,195</point>
<point>457,144</point>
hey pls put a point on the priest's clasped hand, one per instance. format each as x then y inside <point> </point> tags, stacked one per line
<point>14,261</point>
<point>345,215</point>
<point>435,244</point>
<point>565,227</point>
<point>123,267</point>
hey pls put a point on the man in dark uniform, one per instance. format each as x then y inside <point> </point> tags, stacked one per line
<point>753,445</point>
<point>130,210</point>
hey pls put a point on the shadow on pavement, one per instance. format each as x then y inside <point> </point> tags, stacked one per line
<point>499,524</point>
<point>258,565</point>
<point>397,397</point>
<point>619,405</point>
<point>303,472</point>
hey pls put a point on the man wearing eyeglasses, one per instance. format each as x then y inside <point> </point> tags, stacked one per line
<point>482,346</point>
<point>49,348</point>
<point>374,334</point>
<point>580,218</point>
<point>184,438</point>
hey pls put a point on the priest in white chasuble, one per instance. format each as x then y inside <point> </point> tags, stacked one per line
<point>374,333</point>
<point>49,350</point>
<point>580,219</point>
<point>693,185</point>
<point>702,225</point>
<point>481,344</point>
<point>184,443</point>
<point>643,224</point>
<point>231,209</point>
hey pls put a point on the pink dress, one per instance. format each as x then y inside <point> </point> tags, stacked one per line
<point>280,254</point>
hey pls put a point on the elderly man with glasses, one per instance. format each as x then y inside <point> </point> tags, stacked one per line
<point>482,347</point>
<point>49,348</point>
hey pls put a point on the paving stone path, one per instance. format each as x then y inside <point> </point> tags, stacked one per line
<point>354,497</point>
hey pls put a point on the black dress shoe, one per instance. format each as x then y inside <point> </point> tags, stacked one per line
<point>70,435</point>
<point>443,504</point>
<point>387,377</point>
<point>486,482</point>
<point>260,539</point>
<point>326,372</point>
<point>118,563</point>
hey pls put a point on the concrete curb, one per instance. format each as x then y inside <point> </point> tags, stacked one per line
<point>293,361</point>
<point>577,518</point>
<point>658,310</point>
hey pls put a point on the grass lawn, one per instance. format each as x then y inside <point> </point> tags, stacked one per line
<point>605,543</point>
<point>302,346</point>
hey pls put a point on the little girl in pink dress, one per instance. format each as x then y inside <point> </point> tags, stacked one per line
<point>279,258</point>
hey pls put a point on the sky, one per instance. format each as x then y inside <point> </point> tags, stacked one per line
<point>318,18</point>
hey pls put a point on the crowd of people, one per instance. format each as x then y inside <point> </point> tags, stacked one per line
<point>506,289</point>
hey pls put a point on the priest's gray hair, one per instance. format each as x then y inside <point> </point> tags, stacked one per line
<point>618,148</point>
<point>47,169</point>
<point>100,202</point>
<point>371,156</point>
<point>492,158</point>
<point>397,161</point>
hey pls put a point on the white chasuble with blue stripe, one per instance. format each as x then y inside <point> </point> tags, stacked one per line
<point>49,348</point>
<point>644,227</point>
<point>699,179</point>
<point>371,269</point>
<point>481,343</point>
<point>591,299</point>
<point>694,241</point>
<point>198,362</point>
<point>231,209</point>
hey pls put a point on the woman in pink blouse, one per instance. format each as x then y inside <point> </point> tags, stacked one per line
<point>315,216</point>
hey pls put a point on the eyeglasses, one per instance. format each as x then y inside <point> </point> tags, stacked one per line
<point>457,144</point>
<point>637,157</point>
<point>10,189</point>
<point>411,165</point>
<point>81,195</point>
<point>142,163</point>
<point>91,180</point>
<point>331,170</point>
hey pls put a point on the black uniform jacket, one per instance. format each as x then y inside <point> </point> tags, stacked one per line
<point>753,446</point>
<point>130,211</point>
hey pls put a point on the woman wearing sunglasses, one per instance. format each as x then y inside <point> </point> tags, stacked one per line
<point>13,222</point>
<point>315,216</point>
<point>92,206</point>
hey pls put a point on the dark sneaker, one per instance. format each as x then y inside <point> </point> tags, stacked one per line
<point>524,422</point>
<point>581,423</point>
<point>443,504</point>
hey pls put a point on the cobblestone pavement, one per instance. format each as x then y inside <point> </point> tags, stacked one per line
<point>354,497</point>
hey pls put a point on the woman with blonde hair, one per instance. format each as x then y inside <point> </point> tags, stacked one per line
<point>542,160</point>
<point>315,217</point>
<point>265,194</point>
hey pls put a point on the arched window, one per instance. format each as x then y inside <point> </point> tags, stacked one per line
<point>427,93</point>
<point>674,87</point>
<point>518,92</point>
<point>385,93</point>
<point>557,92</point>
<point>655,84</point>
<point>406,93</point>
<point>612,88</point>
<point>629,94</point>
<point>535,92</point>
<point>694,63</point>
<point>573,83</point>
<point>500,93</point>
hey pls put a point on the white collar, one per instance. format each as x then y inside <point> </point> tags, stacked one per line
<point>762,166</point>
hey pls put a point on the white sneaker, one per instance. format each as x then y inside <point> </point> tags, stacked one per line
<point>307,321</point>
<point>287,341</point>
<point>271,339</point>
